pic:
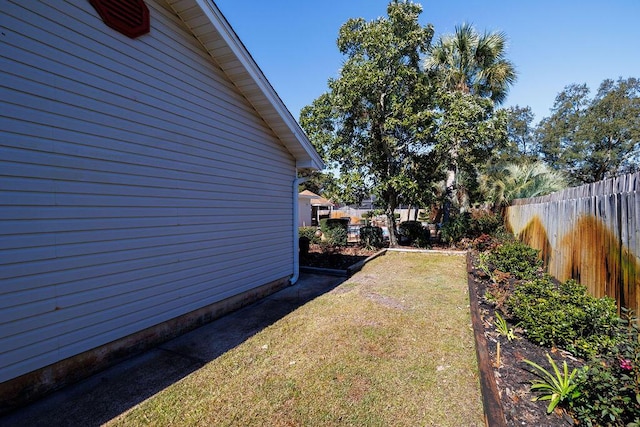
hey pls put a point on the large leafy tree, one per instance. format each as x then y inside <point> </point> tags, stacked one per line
<point>474,75</point>
<point>319,182</point>
<point>374,123</point>
<point>469,133</point>
<point>522,146</point>
<point>594,138</point>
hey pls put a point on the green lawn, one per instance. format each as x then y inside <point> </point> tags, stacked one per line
<point>392,346</point>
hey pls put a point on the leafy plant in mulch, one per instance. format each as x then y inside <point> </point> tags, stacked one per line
<point>610,384</point>
<point>334,233</point>
<point>414,233</point>
<point>371,237</point>
<point>564,316</point>
<point>605,391</point>
<point>517,259</point>
<point>464,228</point>
<point>309,233</point>
<point>555,387</point>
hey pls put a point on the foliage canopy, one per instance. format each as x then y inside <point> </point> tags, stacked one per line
<point>374,123</point>
<point>594,138</point>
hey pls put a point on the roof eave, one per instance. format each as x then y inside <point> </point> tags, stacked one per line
<point>237,63</point>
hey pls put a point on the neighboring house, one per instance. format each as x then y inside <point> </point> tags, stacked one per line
<point>313,208</point>
<point>148,183</point>
<point>304,209</point>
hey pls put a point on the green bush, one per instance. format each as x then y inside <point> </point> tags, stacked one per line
<point>371,237</point>
<point>483,221</point>
<point>610,386</point>
<point>309,233</point>
<point>564,316</point>
<point>414,233</point>
<point>456,228</point>
<point>514,257</point>
<point>335,231</point>
<point>471,225</point>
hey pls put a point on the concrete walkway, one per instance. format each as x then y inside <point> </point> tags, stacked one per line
<point>104,396</point>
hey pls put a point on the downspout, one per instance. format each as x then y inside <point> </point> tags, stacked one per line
<point>296,237</point>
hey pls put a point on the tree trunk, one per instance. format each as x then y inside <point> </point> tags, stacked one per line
<point>391,225</point>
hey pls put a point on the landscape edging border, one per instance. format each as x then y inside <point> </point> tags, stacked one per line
<point>493,412</point>
<point>492,405</point>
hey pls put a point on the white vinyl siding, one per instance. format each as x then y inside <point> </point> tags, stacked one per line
<point>136,182</point>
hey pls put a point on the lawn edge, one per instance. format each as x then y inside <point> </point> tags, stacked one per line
<point>493,412</point>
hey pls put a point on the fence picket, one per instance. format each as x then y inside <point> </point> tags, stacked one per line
<point>593,233</point>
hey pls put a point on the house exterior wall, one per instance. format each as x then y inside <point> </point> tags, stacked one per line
<point>137,183</point>
<point>304,212</point>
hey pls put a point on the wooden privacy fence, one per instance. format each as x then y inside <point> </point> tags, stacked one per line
<point>589,233</point>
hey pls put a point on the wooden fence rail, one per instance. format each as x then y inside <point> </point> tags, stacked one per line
<point>590,233</point>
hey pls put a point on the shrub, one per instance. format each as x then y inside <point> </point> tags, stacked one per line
<point>483,221</point>
<point>471,225</point>
<point>335,231</point>
<point>564,316</point>
<point>371,237</point>
<point>610,385</point>
<point>414,233</point>
<point>309,233</point>
<point>485,242</point>
<point>456,229</point>
<point>514,257</point>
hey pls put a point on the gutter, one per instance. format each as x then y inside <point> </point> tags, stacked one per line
<point>296,237</point>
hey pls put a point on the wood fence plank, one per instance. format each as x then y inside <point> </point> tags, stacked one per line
<point>594,235</point>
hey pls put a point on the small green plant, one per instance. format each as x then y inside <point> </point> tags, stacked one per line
<point>522,261</point>
<point>610,384</point>
<point>309,233</point>
<point>371,237</point>
<point>555,387</point>
<point>483,263</point>
<point>503,328</point>
<point>483,221</point>
<point>565,316</point>
<point>414,233</point>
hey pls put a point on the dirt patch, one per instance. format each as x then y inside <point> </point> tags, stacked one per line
<point>386,301</point>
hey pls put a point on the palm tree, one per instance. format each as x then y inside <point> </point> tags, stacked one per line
<point>471,64</point>
<point>520,181</point>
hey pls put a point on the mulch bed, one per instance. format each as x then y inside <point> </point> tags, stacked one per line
<point>512,375</point>
<point>336,259</point>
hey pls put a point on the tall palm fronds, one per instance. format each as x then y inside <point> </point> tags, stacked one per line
<point>521,181</point>
<point>473,63</point>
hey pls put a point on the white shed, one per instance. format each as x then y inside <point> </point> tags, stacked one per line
<point>147,184</point>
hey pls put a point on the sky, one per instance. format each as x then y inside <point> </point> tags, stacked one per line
<point>552,43</point>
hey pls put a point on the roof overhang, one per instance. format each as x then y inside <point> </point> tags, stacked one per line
<point>211,28</point>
